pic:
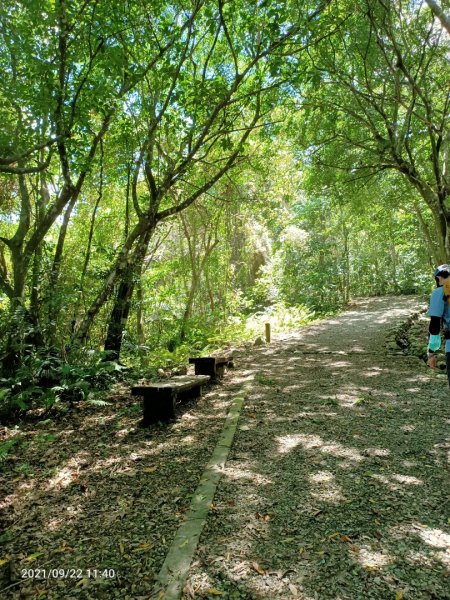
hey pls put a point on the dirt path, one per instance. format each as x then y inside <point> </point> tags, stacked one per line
<point>336,487</point>
<point>338,482</point>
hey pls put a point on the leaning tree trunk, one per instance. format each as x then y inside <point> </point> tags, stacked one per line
<point>119,315</point>
<point>122,302</point>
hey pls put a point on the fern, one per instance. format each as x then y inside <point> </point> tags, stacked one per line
<point>98,402</point>
<point>5,447</point>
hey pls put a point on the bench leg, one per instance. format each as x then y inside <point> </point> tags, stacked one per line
<point>158,407</point>
<point>206,366</point>
<point>191,394</point>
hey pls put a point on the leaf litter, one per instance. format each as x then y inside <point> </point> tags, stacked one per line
<point>336,487</point>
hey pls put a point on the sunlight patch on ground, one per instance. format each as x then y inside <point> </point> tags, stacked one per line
<point>63,478</point>
<point>377,452</point>
<point>396,481</point>
<point>437,539</point>
<point>237,474</point>
<point>325,488</point>
<point>408,428</point>
<point>246,376</point>
<point>188,440</point>
<point>433,537</point>
<point>68,473</point>
<point>55,524</point>
<point>321,477</point>
<point>287,443</point>
<point>409,464</point>
<point>93,421</point>
<point>374,372</point>
<point>340,364</point>
<point>337,449</point>
<point>122,433</point>
<point>420,559</point>
<point>369,558</point>
<point>315,414</point>
<point>407,479</point>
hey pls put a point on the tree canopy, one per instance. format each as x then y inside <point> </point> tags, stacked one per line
<point>168,170</point>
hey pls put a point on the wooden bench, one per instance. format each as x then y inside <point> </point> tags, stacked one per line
<point>214,366</point>
<point>160,398</point>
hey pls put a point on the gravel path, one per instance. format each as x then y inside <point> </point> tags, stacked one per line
<point>337,486</point>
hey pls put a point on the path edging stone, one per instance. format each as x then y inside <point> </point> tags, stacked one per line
<point>175,568</point>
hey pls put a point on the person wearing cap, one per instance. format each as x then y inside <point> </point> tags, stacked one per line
<point>439,313</point>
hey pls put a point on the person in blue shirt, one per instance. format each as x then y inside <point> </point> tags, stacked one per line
<point>439,313</point>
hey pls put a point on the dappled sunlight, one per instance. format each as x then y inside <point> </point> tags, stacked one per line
<point>376,452</point>
<point>436,540</point>
<point>396,482</point>
<point>369,558</point>
<point>188,440</point>
<point>432,536</point>
<point>63,478</point>
<point>314,414</point>
<point>420,559</point>
<point>246,376</point>
<point>407,479</point>
<point>239,473</point>
<point>69,472</point>
<point>324,487</point>
<point>408,428</point>
<point>373,372</point>
<point>288,443</point>
<point>339,450</point>
<point>340,364</point>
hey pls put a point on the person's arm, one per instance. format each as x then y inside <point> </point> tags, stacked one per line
<point>435,326</point>
<point>434,329</point>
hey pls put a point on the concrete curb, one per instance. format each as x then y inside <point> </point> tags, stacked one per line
<point>175,568</point>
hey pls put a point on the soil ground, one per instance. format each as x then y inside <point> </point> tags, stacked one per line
<point>337,485</point>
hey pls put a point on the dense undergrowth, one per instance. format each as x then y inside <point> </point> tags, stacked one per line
<point>48,380</point>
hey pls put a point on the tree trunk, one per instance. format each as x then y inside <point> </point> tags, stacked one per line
<point>54,306</point>
<point>122,302</point>
<point>119,315</point>
<point>195,280</point>
<point>437,253</point>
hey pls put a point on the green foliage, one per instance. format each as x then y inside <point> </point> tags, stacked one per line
<point>44,379</point>
<point>305,178</point>
<point>263,380</point>
<point>6,447</point>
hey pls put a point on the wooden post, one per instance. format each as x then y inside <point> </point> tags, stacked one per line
<point>268,333</point>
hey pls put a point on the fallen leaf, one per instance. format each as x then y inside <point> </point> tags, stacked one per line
<point>345,538</point>
<point>33,556</point>
<point>143,547</point>
<point>150,469</point>
<point>258,569</point>
<point>214,592</point>
<point>399,595</point>
<point>294,590</point>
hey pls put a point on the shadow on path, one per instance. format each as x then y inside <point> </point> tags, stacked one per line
<point>338,483</point>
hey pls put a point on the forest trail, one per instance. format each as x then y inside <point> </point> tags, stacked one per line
<point>336,487</point>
